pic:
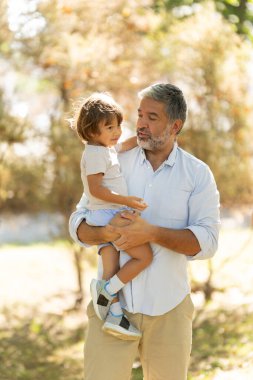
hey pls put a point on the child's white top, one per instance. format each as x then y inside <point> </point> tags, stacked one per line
<point>99,159</point>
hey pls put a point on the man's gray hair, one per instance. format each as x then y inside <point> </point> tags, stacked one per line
<point>171,96</point>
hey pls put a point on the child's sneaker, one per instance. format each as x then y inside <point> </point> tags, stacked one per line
<point>120,327</point>
<point>101,298</point>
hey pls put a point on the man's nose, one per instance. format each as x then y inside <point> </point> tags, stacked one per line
<point>142,123</point>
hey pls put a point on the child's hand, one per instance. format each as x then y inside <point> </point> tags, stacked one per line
<point>136,203</point>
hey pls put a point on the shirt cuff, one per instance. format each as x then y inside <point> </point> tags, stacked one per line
<point>75,219</point>
<point>205,242</point>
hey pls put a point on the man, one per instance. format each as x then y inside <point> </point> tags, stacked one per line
<point>181,223</point>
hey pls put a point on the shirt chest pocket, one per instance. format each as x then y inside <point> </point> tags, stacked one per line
<point>172,205</point>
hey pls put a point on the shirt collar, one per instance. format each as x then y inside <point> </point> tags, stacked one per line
<point>170,160</point>
<point>173,155</point>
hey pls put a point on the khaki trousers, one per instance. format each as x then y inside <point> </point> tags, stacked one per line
<point>164,348</point>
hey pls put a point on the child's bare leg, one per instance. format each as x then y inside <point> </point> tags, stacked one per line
<point>142,256</point>
<point>110,260</point>
<point>116,323</point>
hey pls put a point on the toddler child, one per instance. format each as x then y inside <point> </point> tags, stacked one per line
<point>98,124</point>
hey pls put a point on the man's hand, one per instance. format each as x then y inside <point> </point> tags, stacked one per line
<point>138,232</point>
<point>110,234</point>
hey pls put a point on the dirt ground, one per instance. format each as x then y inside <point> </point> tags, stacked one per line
<point>40,275</point>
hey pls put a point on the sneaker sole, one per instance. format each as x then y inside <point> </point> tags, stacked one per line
<point>93,290</point>
<point>119,332</point>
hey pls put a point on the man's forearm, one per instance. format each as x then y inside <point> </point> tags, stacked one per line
<point>181,241</point>
<point>140,232</point>
<point>92,235</point>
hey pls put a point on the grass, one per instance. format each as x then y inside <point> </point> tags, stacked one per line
<point>37,347</point>
<point>223,340</point>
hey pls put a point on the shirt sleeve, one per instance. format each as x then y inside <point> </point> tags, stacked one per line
<point>204,215</point>
<point>96,160</point>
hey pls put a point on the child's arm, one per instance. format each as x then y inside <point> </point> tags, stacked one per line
<point>127,144</point>
<point>99,191</point>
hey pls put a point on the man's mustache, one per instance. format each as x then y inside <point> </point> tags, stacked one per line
<point>143,132</point>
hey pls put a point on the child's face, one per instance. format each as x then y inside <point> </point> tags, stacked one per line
<point>109,133</point>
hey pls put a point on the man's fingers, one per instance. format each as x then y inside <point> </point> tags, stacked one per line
<point>120,240</point>
<point>112,232</point>
<point>129,215</point>
<point>110,228</point>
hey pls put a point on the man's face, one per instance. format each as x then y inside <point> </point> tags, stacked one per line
<point>153,126</point>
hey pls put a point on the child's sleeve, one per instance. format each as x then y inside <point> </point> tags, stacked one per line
<point>96,161</point>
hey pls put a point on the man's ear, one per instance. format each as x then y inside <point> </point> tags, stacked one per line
<point>177,126</point>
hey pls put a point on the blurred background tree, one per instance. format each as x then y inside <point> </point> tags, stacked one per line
<point>14,130</point>
<point>56,51</point>
<point>212,66</point>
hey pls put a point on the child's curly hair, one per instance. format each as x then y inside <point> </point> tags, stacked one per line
<point>91,111</point>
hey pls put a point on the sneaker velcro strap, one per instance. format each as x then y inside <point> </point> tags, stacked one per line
<point>102,300</point>
<point>124,323</point>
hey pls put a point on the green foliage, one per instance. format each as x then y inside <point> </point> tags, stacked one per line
<point>137,374</point>
<point>22,186</point>
<point>18,178</point>
<point>65,150</point>
<point>238,12</point>
<point>11,128</point>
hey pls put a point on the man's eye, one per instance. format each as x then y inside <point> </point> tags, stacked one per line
<point>139,115</point>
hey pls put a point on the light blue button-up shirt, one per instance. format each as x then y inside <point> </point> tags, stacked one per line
<point>181,194</point>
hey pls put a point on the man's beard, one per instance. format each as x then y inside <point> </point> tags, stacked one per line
<point>154,142</point>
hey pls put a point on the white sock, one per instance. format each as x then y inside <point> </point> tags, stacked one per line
<point>115,309</point>
<point>114,285</point>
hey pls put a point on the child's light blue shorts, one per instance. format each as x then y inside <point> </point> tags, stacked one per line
<point>101,218</point>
